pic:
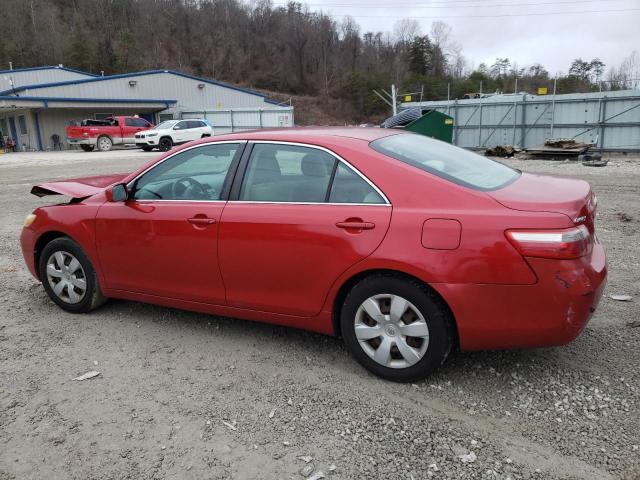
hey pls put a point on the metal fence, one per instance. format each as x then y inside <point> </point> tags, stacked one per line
<point>609,120</point>
<point>238,120</point>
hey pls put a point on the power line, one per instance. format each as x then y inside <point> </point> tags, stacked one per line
<point>445,5</point>
<point>497,15</point>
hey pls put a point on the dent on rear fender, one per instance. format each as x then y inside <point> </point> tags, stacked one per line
<point>575,280</point>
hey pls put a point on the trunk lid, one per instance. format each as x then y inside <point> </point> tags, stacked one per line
<point>543,193</point>
<point>77,188</point>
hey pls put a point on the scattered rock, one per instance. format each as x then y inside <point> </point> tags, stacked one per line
<point>307,470</point>
<point>305,458</point>
<point>316,476</point>
<point>230,426</point>
<point>87,376</point>
<point>468,457</point>
<point>623,217</point>
<point>621,298</point>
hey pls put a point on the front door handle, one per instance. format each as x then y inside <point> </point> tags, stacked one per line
<point>356,225</point>
<point>201,221</point>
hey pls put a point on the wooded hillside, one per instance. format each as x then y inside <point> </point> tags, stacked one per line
<point>289,50</point>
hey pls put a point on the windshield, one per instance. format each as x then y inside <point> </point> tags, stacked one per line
<point>446,161</point>
<point>166,124</point>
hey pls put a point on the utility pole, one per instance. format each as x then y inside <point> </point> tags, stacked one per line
<point>553,106</point>
<point>393,99</point>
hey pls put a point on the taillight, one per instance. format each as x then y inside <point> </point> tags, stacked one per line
<point>568,243</point>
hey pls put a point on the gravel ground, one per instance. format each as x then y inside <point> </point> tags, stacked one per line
<point>185,395</point>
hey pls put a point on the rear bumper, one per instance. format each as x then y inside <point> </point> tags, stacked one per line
<point>81,141</point>
<point>551,312</point>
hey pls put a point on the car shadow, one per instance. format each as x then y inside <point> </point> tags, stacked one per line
<point>493,366</point>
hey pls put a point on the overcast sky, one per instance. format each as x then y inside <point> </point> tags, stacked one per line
<point>549,32</point>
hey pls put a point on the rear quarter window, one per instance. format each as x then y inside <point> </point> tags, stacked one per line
<point>446,161</point>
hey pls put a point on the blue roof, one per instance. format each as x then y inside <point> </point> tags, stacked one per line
<point>50,67</point>
<point>86,100</point>
<point>137,74</point>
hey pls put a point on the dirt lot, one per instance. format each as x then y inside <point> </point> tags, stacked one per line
<point>185,395</point>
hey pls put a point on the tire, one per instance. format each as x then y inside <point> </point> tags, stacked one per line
<point>87,148</point>
<point>425,316</point>
<point>104,143</point>
<point>147,149</point>
<point>63,250</point>
<point>165,144</point>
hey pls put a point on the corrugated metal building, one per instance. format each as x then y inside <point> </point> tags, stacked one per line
<point>31,113</point>
<point>10,79</point>
<point>610,120</point>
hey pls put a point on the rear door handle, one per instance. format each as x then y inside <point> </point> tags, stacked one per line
<point>356,225</point>
<point>201,221</point>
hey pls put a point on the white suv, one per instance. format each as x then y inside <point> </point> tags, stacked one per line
<point>172,132</point>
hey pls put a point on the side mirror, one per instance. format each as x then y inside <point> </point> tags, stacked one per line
<point>117,193</point>
<point>177,127</point>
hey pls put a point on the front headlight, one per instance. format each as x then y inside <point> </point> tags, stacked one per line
<point>29,220</point>
<point>152,134</point>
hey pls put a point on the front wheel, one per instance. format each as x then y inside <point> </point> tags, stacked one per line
<point>396,327</point>
<point>165,144</point>
<point>87,148</point>
<point>68,276</point>
<point>104,143</point>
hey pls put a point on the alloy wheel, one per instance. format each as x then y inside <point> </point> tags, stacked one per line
<point>66,277</point>
<point>104,144</point>
<point>391,330</point>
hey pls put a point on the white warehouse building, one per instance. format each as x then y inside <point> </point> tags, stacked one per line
<point>37,104</point>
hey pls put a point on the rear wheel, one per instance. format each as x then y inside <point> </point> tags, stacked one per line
<point>396,327</point>
<point>104,143</point>
<point>165,144</point>
<point>87,148</point>
<point>68,276</point>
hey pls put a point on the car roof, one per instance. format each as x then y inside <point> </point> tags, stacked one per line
<point>298,134</point>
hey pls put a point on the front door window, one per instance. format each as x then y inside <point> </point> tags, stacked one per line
<point>195,174</point>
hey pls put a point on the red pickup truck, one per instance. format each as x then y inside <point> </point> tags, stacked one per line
<point>106,133</point>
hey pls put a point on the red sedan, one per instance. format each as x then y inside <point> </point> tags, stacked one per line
<point>405,246</point>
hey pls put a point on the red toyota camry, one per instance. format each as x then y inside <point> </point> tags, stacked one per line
<point>403,245</point>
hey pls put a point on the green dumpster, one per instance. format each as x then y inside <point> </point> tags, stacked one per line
<point>430,123</point>
<point>433,124</point>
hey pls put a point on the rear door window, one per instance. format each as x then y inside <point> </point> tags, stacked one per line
<point>287,173</point>
<point>290,173</point>
<point>349,187</point>
<point>446,161</point>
